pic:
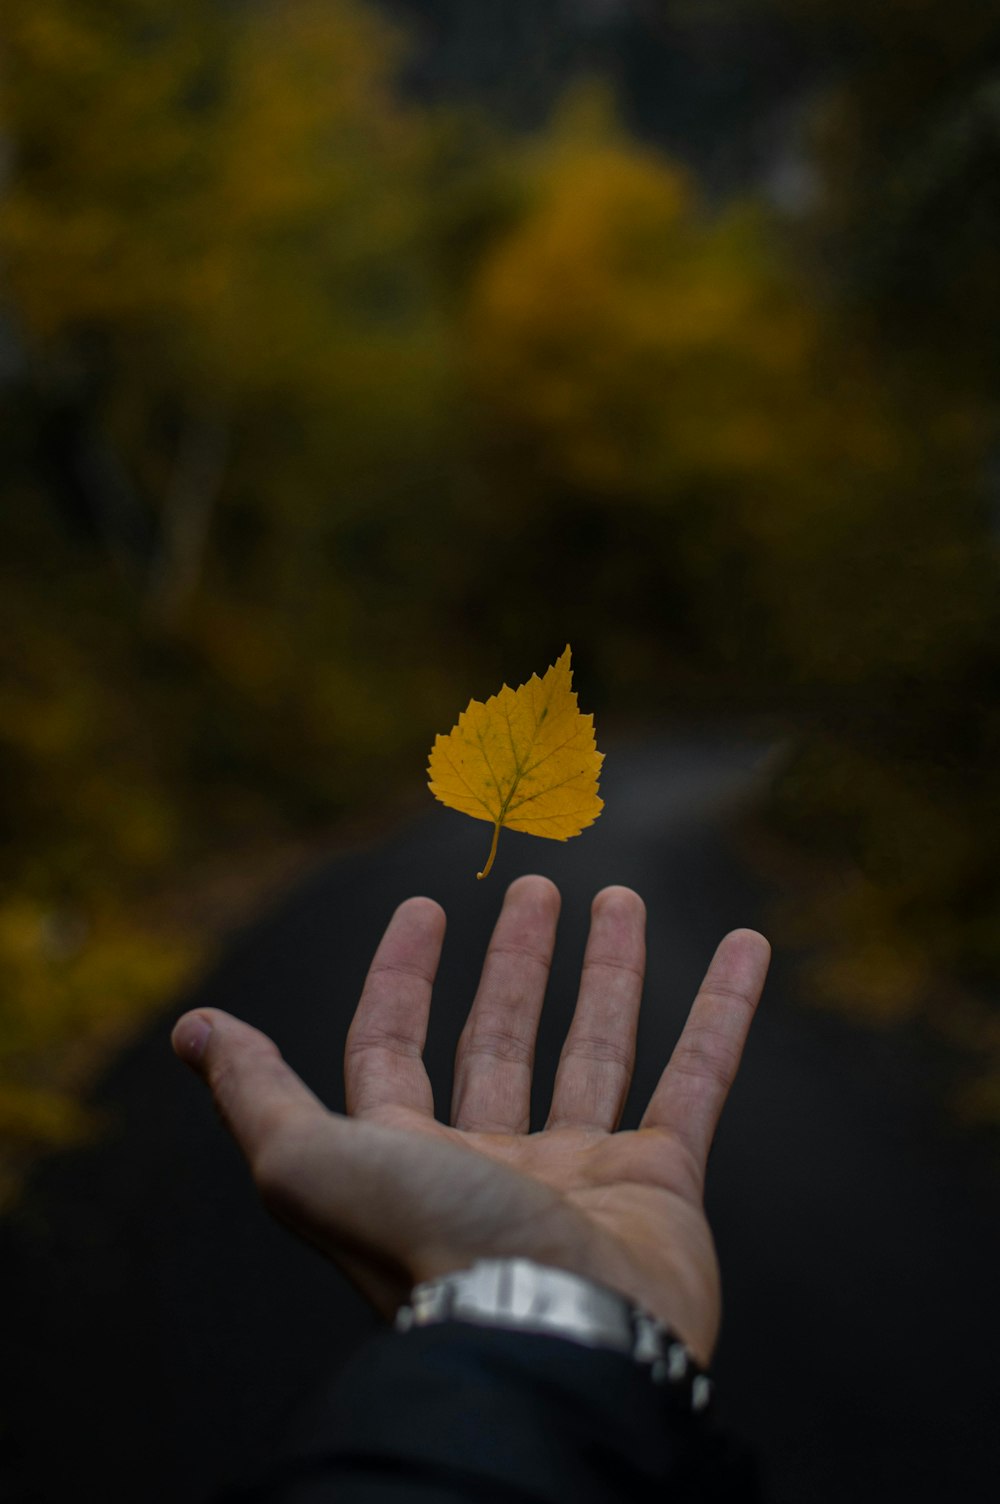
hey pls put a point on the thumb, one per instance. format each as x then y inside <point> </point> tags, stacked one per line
<point>255,1092</point>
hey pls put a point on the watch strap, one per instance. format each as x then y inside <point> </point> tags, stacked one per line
<point>518,1293</point>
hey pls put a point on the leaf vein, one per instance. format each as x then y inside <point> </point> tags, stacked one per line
<point>462,779</point>
<point>549,788</point>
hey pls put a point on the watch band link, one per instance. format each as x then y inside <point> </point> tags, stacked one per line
<point>522,1295</point>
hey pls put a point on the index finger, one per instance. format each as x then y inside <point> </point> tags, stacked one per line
<point>692,1090</point>
<point>383,1057</point>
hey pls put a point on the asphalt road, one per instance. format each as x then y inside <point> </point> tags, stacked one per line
<point>160,1334</point>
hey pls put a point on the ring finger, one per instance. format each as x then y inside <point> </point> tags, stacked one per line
<point>595,1068</point>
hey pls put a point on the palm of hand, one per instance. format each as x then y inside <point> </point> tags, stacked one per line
<point>396,1197</point>
<point>627,1212</point>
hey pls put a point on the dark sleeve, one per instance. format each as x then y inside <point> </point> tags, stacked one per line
<point>463,1414</point>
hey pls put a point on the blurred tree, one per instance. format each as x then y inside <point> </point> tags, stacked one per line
<point>751,473</point>
<point>901,785</point>
<point>229,382</point>
<point>212,214</point>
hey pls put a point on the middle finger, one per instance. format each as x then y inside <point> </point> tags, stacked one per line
<point>496,1050</point>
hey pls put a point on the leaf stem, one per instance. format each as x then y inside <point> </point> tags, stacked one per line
<point>493,851</point>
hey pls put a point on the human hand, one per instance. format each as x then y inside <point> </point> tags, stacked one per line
<point>395,1197</point>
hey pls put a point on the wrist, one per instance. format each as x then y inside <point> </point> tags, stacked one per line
<point>520,1294</point>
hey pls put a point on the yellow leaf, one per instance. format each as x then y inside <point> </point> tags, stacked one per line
<point>526,759</point>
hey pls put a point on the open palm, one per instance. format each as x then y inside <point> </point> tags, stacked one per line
<point>396,1197</point>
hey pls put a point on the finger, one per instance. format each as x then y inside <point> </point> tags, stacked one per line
<point>497,1048</point>
<point>692,1091</point>
<point>256,1093</point>
<point>383,1059</point>
<point>293,1145</point>
<point>595,1067</point>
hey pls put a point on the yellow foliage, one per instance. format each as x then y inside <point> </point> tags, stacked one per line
<point>326,364</point>
<point>526,759</point>
<point>635,337</point>
<point>73,986</point>
<point>81,973</point>
<point>243,189</point>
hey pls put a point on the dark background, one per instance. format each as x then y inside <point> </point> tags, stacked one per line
<point>353,359</point>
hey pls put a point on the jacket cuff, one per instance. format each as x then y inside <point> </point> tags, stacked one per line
<point>487,1413</point>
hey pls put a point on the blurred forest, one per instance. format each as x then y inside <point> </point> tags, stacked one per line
<point>331,393</point>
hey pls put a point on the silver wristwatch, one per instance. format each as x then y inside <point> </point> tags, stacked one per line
<point>532,1297</point>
